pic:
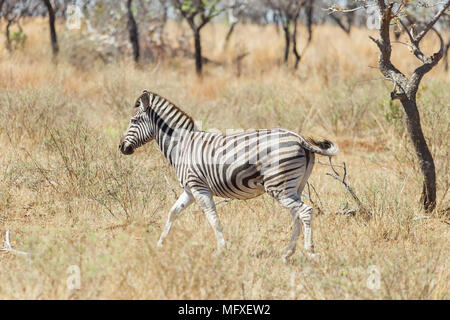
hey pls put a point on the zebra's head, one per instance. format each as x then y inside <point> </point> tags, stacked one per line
<point>140,130</point>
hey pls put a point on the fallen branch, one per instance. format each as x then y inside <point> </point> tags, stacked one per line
<point>346,211</point>
<point>8,247</point>
<point>343,179</point>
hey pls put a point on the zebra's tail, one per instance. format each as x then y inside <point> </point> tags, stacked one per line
<point>324,147</point>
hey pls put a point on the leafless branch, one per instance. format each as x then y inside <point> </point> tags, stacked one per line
<point>341,24</point>
<point>432,22</point>
<point>327,164</point>
<point>343,179</point>
<point>335,8</point>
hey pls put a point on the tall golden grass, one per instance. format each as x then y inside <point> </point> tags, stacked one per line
<point>69,198</point>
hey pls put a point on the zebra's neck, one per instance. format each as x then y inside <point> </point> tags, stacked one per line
<point>170,125</point>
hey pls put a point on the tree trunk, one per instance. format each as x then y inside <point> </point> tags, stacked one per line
<point>408,90</point>
<point>294,45</point>
<point>309,18</point>
<point>423,153</point>
<point>133,30</point>
<point>446,55</point>
<point>51,19</point>
<point>198,52</point>
<point>229,33</point>
<point>276,21</point>
<point>287,39</point>
<point>8,37</point>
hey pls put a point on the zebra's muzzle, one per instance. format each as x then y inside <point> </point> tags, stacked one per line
<point>126,148</point>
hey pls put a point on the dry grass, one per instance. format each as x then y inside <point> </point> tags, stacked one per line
<point>70,198</point>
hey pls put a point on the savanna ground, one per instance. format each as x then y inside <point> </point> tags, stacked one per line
<point>70,198</point>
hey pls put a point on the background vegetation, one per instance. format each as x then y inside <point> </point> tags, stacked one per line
<point>70,198</point>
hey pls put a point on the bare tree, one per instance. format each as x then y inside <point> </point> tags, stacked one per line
<point>153,16</point>
<point>12,11</point>
<point>133,31</point>
<point>234,14</point>
<point>51,20</point>
<point>289,12</point>
<point>10,15</point>
<point>309,10</point>
<point>198,13</point>
<point>405,89</point>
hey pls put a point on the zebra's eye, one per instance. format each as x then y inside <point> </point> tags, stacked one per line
<point>134,121</point>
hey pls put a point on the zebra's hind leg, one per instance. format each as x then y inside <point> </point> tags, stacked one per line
<point>300,212</point>
<point>306,215</point>
<point>295,233</point>
<point>206,202</point>
<point>182,203</point>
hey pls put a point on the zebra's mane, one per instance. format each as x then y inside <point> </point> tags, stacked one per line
<point>151,104</point>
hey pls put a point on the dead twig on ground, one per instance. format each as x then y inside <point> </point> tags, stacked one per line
<point>9,248</point>
<point>343,179</point>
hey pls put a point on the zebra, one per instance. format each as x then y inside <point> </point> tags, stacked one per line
<point>240,165</point>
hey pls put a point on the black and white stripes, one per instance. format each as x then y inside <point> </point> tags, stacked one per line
<point>239,165</point>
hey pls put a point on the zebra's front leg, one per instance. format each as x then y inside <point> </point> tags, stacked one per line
<point>206,202</point>
<point>182,203</point>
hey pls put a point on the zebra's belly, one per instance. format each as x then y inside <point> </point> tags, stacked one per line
<point>235,181</point>
<point>241,194</point>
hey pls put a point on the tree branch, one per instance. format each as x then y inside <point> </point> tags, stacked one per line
<point>335,8</point>
<point>432,22</point>
<point>387,69</point>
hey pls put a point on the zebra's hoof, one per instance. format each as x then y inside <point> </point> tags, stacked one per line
<point>221,248</point>
<point>159,244</point>
<point>312,255</point>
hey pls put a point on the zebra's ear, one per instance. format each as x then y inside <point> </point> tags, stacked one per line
<point>145,99</point>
